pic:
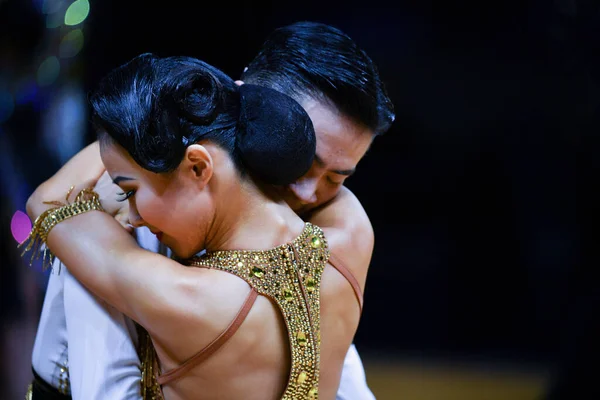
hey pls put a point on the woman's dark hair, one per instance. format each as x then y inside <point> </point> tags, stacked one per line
<point>156,107</point>
<point>311,59</point>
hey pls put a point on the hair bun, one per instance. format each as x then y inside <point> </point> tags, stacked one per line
<point>275,137</point>
<point>197,95</point>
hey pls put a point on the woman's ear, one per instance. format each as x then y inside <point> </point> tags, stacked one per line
<point>198,164</point>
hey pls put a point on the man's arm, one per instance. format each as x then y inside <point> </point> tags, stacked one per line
<point>99,340</point>
<point>49,355</point>
<point>353,384</point>
<point>103,361</point>
<point>102,341</point>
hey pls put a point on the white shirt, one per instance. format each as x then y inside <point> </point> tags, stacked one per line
<point>102,358</point>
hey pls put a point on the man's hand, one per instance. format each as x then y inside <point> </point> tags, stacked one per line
<point>109,193</point>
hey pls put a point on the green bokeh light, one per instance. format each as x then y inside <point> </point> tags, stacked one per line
<point>77,12</point>
<point>48,71</point>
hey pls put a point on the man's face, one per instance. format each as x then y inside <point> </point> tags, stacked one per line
<point>341,143</point>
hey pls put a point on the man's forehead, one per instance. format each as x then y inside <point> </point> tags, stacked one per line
<point>341,142</point>
<point>344,167</point>
<point>326,116</point>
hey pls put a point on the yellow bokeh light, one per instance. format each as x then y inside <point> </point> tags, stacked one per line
<point>77,12</point>
<point>71,44</point>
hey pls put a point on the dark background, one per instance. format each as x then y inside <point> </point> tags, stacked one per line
<point>482,195</point>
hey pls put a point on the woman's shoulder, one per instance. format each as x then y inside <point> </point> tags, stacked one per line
<point>344,213</point>
<point>348,231</point>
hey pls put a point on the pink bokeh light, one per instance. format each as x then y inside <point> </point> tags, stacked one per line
<point>20,226</point>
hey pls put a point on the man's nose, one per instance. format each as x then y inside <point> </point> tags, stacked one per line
<point>305,189</point>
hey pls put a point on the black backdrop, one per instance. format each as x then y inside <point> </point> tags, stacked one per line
<point>481,195</point>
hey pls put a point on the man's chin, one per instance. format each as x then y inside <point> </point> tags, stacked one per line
<point>298,207</point>
<point>295,205</point>
<point>305,211</point>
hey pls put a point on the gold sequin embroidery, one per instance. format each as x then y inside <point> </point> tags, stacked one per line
<point>291,276</point>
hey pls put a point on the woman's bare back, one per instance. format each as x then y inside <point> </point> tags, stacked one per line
<point>263,358</point>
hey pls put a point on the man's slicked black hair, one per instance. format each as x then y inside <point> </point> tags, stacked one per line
<point>315,60</point>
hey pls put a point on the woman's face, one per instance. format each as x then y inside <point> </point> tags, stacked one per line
<point>169,204</point>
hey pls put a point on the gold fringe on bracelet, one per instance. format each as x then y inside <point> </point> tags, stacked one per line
<point>86,200</point>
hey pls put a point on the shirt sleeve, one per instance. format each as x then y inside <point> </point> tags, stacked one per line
<point>103,359</point>
<point>353,385</point>
<point>49,355</point>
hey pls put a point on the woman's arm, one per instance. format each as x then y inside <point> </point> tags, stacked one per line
<point>83,167</point>
<point>148,287</point>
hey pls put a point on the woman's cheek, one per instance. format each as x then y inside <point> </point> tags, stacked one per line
<point>147,210</point>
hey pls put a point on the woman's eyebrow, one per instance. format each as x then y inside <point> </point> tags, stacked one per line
<point>119,179</point>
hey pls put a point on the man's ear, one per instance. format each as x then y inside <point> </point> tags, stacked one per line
<point>198,164</point>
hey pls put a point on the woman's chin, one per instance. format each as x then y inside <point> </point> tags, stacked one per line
<point>184,254</point>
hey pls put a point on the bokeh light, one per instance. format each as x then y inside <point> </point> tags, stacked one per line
<point>27,92</point>
<point>52,6</point>
<point>71,44</point>
<point>77,12</point>
<point>48,71</point>
<point>7,105</point>
<point>20,226</point>
<point>54,20</point>
<point>38,5</point>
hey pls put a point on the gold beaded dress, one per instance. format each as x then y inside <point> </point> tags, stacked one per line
<point>290,275</point>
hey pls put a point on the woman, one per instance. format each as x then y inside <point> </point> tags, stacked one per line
<point>188,146</point>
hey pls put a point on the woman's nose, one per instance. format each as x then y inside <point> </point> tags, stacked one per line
<point>134,218</point>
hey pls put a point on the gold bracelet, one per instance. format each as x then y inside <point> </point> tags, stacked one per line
<point>86,200</point>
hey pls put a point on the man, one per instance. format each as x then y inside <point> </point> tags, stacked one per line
<point>339,87</point>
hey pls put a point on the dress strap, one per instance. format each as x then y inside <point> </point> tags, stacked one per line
<point>342,269</point>
<point>215,345</point>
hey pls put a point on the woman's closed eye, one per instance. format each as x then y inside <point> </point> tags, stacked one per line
<point>125,195</point>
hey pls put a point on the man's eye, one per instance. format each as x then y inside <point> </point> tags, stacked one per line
<point>333,182</point>
<point>125,195</point>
